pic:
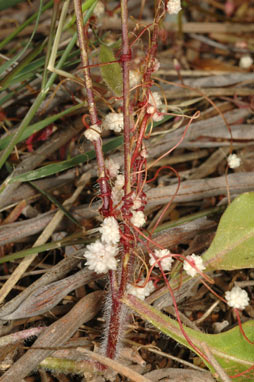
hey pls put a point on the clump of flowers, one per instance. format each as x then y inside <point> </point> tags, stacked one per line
<point>155,65</point>
<point>114,121</point>
<point>110,231</point>
<point>138,218</point>
<point>137,203</point>
<point>117,190</point>
<point>93,133</point>
<point>112,167</point>
<point>173,7</point>
<point>101,255</point>
<point>153,106</point>
<point>237,298</point>
<point>140,292</point>
<point>99,9</point>
<point>233,161</point>
<point>193,261</point>
<point>134,77</point>
<point>165,263</point>
<point>245,62</point>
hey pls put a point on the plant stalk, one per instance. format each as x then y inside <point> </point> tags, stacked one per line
<point>105,188</point>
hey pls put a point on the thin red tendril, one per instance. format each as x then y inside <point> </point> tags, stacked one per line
<point>241,327</point>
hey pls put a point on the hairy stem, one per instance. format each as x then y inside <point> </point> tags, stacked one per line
<point>117,291</point>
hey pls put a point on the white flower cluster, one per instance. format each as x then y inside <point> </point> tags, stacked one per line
<point>99,9</point>
<point>233,161</point>
<point>136,201</point>
<point>134,78</point>
<point>155,65</point>
<point>154,104</point>
<point>194,260</point>
<point>117,191</point>
<point>144,152</point>
<point>245,62</point>
<point>112,167</point>
<point>110,231</point>
<point>165,263</point>
<point>237,298</point>
<point>101,255</point>
<point>173,7</point>
<point>114,121</point>
<point>93,133</point>
<point>139,292</point>
<point>138,218</point>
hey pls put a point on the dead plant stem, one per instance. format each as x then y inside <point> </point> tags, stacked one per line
<point>91,106</point>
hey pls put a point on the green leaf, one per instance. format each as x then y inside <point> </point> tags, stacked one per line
<point>8,3</point>
<point>111,73</point>
<point>35,127</point>
<point>231,350</point>
<point>59,205</point>
<point>22,26</point>
<point>233,245</point>
<point>15,59</point>
<point>52,169</point>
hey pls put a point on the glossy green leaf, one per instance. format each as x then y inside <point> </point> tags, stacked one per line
<point>233,245</point>
<point>234,354</point>
<point>111,73</point>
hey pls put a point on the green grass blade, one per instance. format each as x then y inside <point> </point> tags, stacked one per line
<point>52,169</point>
<point>24,25</point>
<point>59,205</point>
<point>34,128</point>
<point>13,60</point>
<point>4,83</point>
<point>4,4</point>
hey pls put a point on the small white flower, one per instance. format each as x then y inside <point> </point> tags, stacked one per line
<point>93,133</point>
<point>237,298</point>
<point>156,65</point>
<point>157,117</point>
<point>134,78</point>
<point>233,161</point>
<point>119,183</point>
<point>114,121</point>
<point>245,62</point>
<point>136,201</point>
<point>138,218</point>
<point>109,230</point>
<point>195,260</point>
<point>143,152</point>
<point>112,167</point>
<point>141,293</point>
<point>117,195</point>
<point>99,9</point>
<point>173,7</point>
<point>154,102</point>
<point>101,257</point>
<point>166,263</point>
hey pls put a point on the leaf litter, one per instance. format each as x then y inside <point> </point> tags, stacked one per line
<point>200,65</point>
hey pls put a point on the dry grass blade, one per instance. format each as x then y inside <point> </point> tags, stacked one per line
<point>55,335</point>
<point>179,375</point>
<point>22,267</point>
<point>118,367</point>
